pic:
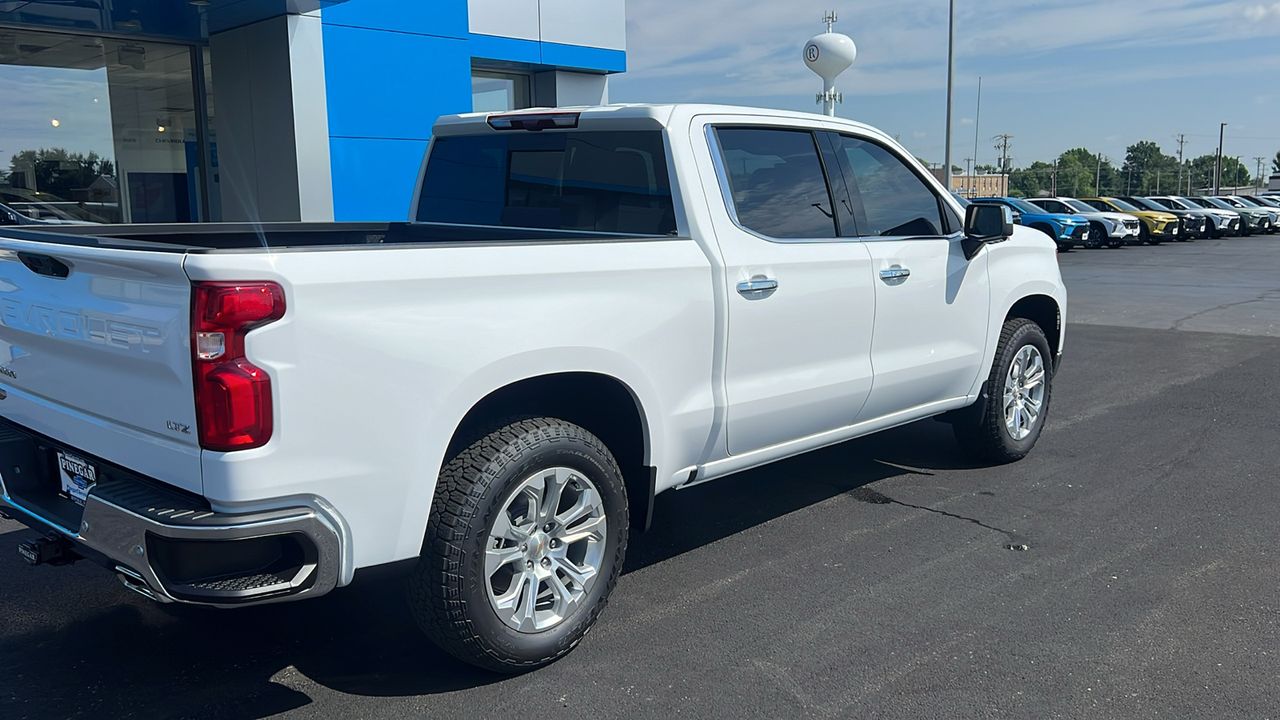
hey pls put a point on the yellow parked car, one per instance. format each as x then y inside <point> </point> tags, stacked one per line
<point>1156,226</point>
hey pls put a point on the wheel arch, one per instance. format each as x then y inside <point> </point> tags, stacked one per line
<point>1045,227</point>
<point>1044,311</point>
<point>602,404</point>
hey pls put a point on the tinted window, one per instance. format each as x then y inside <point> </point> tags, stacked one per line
<point>777,182</point>
<point>889,199</point>
<point>601,181</point>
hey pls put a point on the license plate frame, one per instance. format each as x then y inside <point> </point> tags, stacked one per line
<point>76,476</point>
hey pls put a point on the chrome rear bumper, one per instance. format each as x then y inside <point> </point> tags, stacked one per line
<point>169,548</point>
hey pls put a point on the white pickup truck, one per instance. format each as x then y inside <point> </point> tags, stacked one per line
<point>589,306</point>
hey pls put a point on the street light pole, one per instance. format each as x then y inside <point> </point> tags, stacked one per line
<point>951,80</point>
<point>1217,165</point>
<point>977,122</point>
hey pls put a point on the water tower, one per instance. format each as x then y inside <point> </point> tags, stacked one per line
<point>828,55</point>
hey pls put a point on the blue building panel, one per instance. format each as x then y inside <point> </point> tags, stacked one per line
<point>392,85</point>
<point>579,57</point>
<point>546,54</point>
<point>445,18</point>
<point>373,178</point>
<point>392,68</point>
<point>494,47</point>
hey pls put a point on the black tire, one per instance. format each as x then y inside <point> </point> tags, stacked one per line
<point>448,591</point>
<point>1144,236</point>
<point>983,433</point>
<point>1097,236</point>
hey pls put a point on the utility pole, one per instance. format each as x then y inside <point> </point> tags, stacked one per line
<point>1053,182</point>
<point>1097,185</point>
<point>968,175</point>
<point>1128,188</point>
<point>1182,140</point>
<point>1002,144</point>
<point>1257,179</point>
<point>951,81</point>
<point>1217,165</point>
<point>1159,171</point>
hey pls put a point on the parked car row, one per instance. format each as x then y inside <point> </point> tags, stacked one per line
<point>1095,222</point>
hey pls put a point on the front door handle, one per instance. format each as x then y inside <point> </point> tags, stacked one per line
<point>897,272</point>
<point>757,286</point>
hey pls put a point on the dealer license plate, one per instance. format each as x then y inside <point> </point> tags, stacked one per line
<point>78,476</point>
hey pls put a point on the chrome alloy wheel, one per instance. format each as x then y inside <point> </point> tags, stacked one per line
<point>545,549</point>
<point>1024,388</point>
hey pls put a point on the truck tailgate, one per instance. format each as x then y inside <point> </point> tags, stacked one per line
<point>95,354</point>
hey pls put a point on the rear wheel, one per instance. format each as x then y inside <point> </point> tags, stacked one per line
<point>1016,397</point>
<point>526,539</point>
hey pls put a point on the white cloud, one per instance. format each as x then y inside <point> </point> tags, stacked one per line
<point>1263,11</point>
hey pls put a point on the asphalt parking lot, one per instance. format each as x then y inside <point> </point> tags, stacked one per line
<point>872,579</point>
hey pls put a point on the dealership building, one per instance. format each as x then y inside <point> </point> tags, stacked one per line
<point>270,110</point>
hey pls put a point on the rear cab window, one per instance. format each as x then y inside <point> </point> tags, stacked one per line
<point>583,180</point>
<point>776,181</point>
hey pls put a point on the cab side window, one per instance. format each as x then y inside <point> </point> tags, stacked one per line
<point>777,182</point>
<point>889,198</point>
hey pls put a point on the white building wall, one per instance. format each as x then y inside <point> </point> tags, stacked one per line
<point>593,23</point>
<point>273,132</point>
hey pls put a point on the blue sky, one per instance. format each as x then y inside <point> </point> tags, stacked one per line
<point>1095,73</point>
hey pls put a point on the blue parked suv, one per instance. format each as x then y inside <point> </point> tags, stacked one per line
<point>1066,230</point>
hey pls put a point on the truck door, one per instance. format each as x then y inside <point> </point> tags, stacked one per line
<point>800,297</point>
<point>932,303</point>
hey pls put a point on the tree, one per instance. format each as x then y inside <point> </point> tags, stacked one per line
<point>1275,163</point>
<point>1148,170</point>
<point>1234,173</point>
<point>59,172</point>
<point>1033,181</point>
<point>1078,171</point>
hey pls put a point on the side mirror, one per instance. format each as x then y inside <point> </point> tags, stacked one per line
<point>8,217</point>
<point>988,223</point>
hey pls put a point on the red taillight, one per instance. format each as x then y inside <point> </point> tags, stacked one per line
<point>233,396</point>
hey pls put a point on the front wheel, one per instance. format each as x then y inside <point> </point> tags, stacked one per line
<point>1015,397</point>
<point>526,539</point>
<point>1145,237</point>
<point>1097,237</point>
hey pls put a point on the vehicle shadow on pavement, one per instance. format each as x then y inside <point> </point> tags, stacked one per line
<point>74,643</point>
<point>688,519</point>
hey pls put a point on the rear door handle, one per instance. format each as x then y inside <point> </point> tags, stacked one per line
<point>897,272</point>
<point>757,286</point>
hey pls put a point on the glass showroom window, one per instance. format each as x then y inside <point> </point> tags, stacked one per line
<point>97,130</point>
<point>497,92</point>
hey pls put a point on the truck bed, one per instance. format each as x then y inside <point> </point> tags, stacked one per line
<point>285,236</point>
